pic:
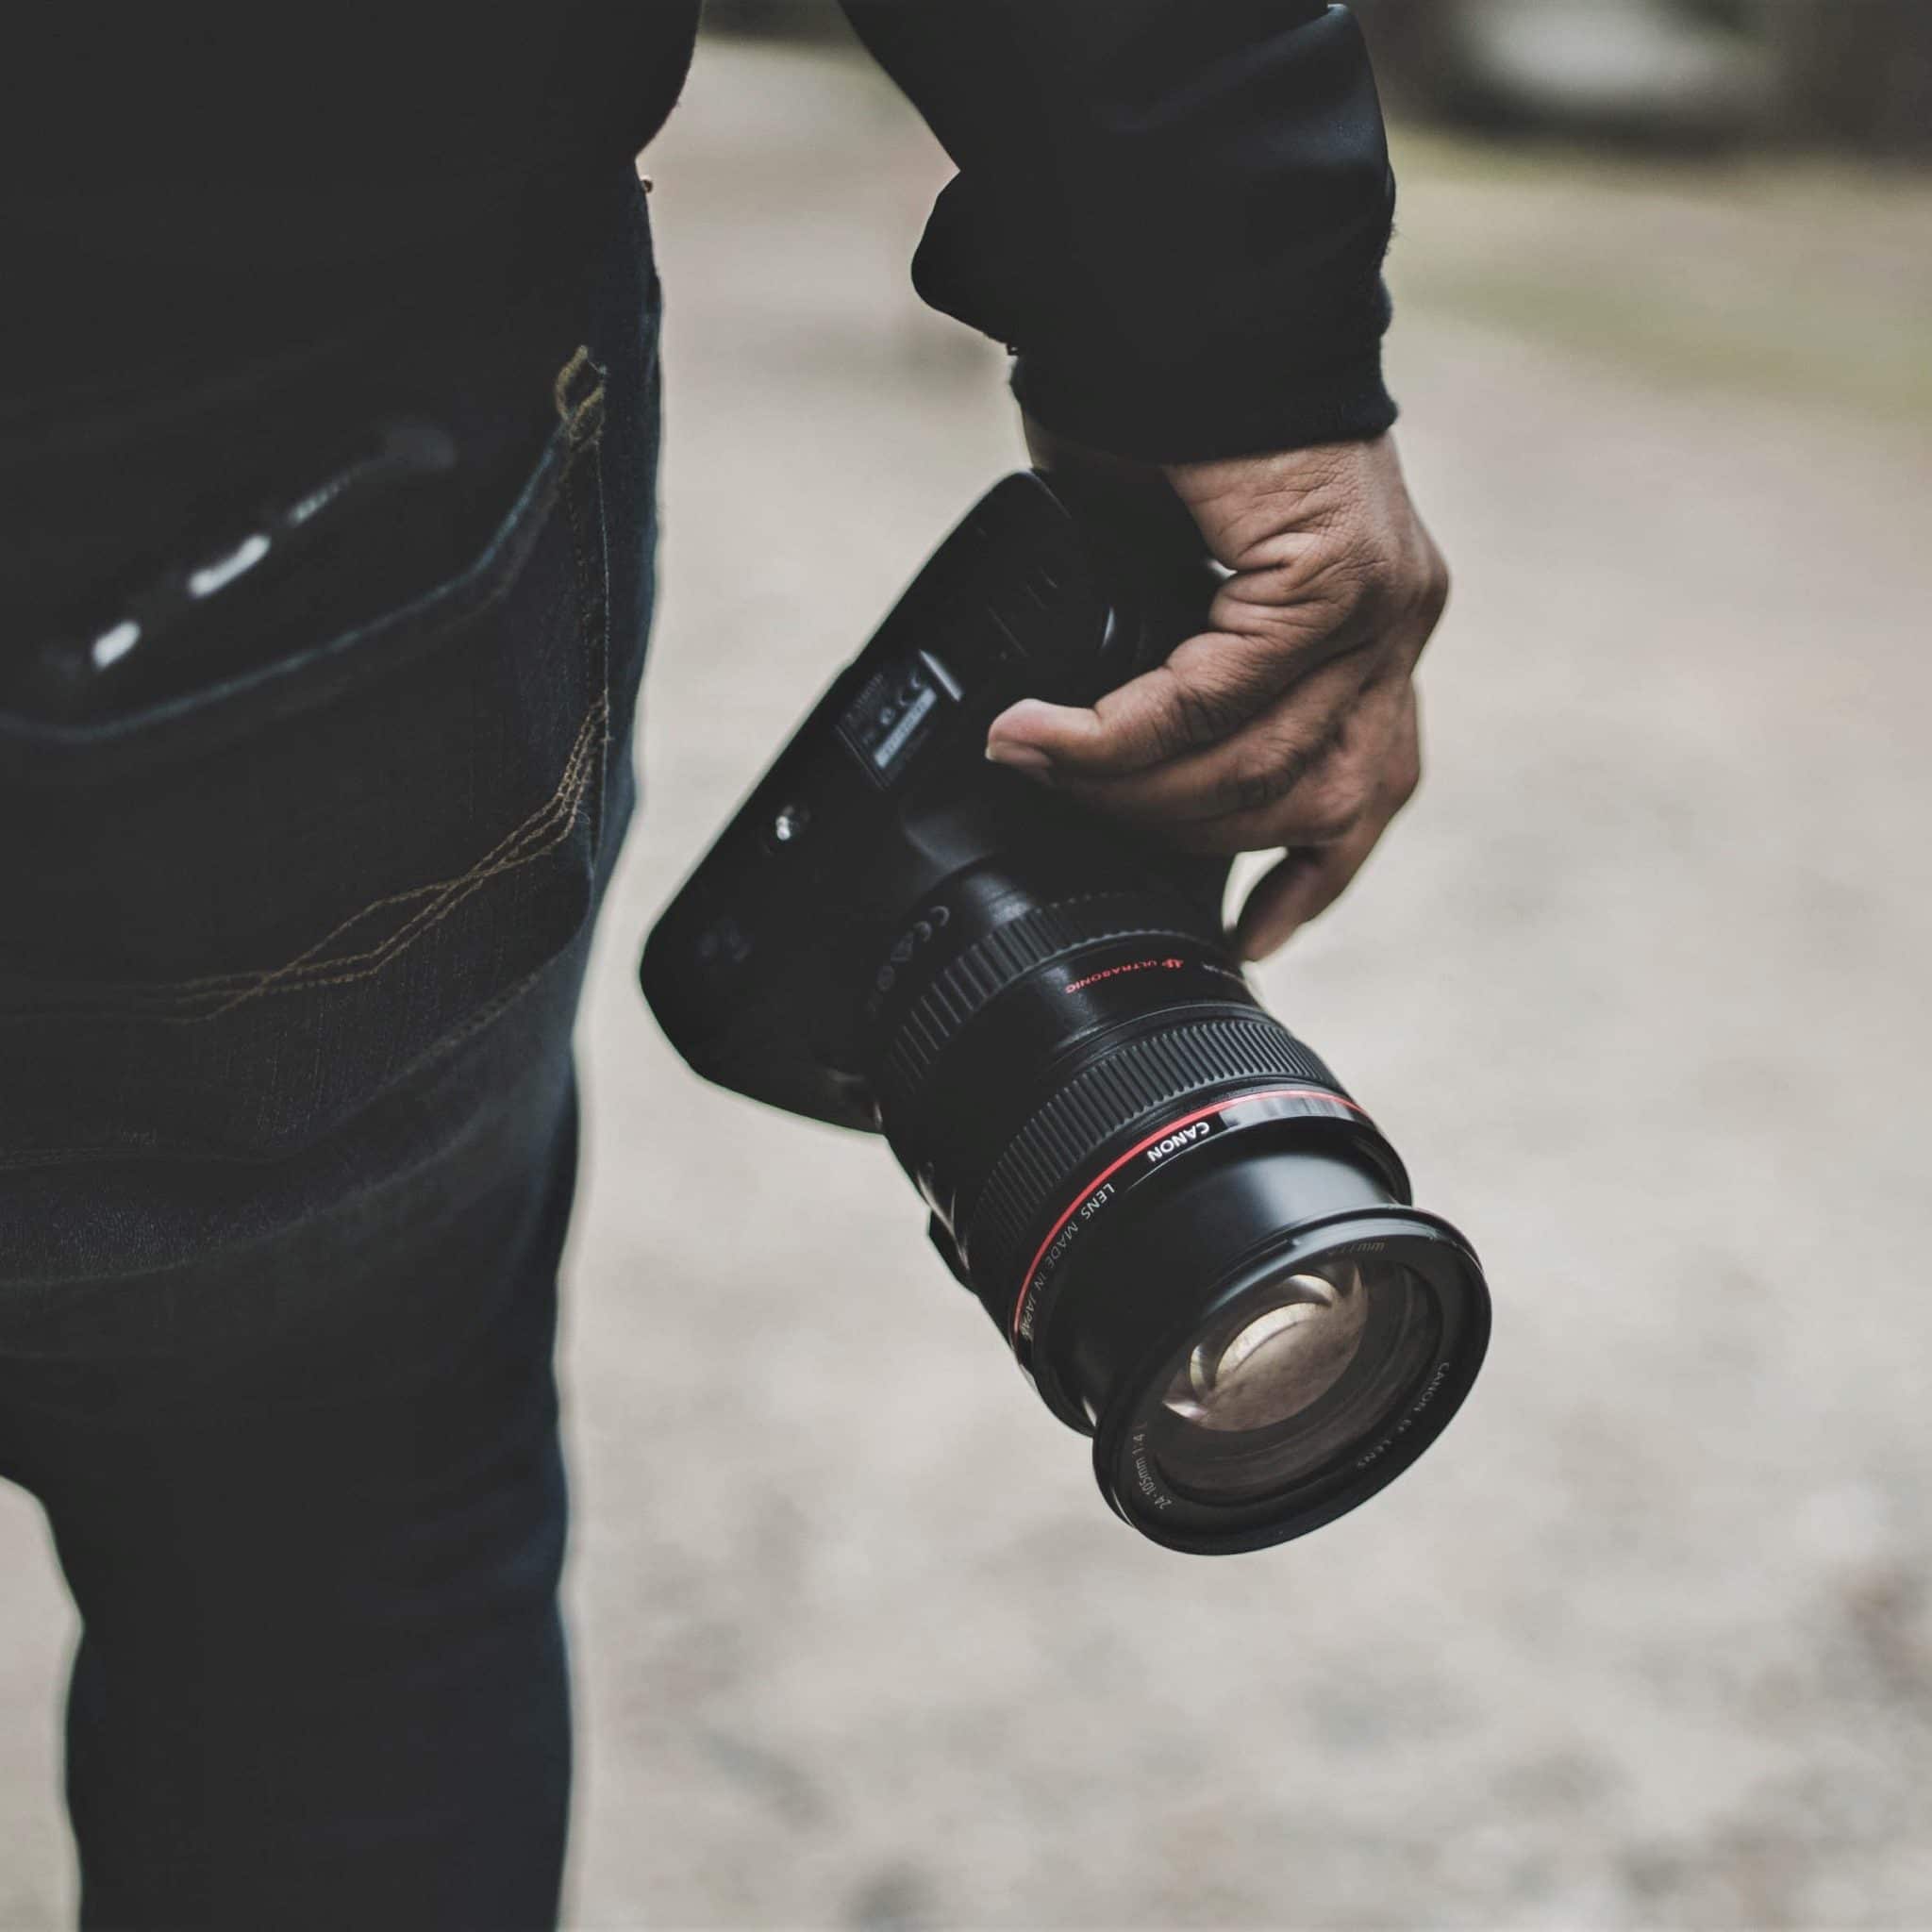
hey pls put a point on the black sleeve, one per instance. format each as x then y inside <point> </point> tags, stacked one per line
<point>1175,211</point>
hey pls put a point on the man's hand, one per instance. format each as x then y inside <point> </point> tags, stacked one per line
<point>1291,722</point>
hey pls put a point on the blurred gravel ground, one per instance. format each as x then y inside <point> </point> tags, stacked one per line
<point>1639,988</point>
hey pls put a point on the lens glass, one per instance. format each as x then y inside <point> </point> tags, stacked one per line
<point>1296,1372</point>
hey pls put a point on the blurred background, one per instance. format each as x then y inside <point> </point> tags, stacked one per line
<point>1639,986</point>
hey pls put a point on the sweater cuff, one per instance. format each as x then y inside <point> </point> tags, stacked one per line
<point>1242,400</point>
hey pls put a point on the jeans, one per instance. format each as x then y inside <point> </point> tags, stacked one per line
<point>287,1127</point>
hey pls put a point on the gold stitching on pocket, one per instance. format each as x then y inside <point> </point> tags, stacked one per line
<point>582,416</point>
<point>541,832</point>
<point>546,828</point>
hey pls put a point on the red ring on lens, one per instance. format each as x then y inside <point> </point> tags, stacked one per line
<point>1113,1167</point>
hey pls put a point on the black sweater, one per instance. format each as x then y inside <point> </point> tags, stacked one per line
<point>1174,210</point>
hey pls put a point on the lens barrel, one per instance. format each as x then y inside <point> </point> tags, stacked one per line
<point>1197,1244</point>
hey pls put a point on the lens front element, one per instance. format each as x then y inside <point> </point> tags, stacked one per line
<point>1262,1365</point>
<point>1294,1375</point>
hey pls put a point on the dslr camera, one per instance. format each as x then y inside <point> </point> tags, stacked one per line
<point>1194,1241</point>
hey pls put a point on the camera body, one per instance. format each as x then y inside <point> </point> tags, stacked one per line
<point>771,969</point>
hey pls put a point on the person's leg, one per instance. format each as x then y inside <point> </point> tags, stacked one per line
<point>322,1677</point>
<point>281,1206</point>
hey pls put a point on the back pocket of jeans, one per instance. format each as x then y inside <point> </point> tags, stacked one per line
<point>233,918</point>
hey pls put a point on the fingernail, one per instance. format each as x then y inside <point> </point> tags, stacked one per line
<point>1037,711</point>
<point>1022,757</point>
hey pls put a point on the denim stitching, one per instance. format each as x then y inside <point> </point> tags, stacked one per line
<point>544,829</point>
<point>304,972</point>
<point>585,424</point>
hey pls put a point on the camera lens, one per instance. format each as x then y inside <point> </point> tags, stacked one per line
<point>1198,1245</point>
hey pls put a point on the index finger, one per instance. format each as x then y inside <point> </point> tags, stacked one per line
<point>1210,687</point>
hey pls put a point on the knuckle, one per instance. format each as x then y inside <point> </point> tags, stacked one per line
<point>1431,594</point>
<point>1327,824</point>
<point>1332,808</point>
<point>1201,713</point>
<point>1270,773</point>
<point>1254,790</point>
<point>1405,780</point>
<point>1194,719</point>
<point>1441,581</point>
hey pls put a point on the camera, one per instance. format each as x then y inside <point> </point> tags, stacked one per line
<point>1194,1240</point>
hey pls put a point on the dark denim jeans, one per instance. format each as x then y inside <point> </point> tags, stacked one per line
<point>289,963</point>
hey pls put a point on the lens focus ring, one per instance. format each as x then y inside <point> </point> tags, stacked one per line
<point>1053,1156</point>
<point>995,961</point>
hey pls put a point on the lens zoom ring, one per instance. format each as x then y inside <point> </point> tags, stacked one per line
<point>1056,1149</point>
<point>991,964</point>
